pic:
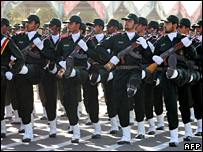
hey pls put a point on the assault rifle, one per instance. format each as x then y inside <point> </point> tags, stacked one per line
<point>167,53</point>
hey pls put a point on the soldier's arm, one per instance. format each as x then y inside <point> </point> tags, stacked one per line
<point>14,50</point>
<point>59,52</point>
<point>48,50</point>
<point>191,52</point>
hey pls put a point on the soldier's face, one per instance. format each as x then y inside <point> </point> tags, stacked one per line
<point>199,29</point>
<point>55,29</point>
<point>130,25</point>
<point>110,30</point>
<point>182,29</point>
<point>31,26</point>
<point>140,28</point>
<point>169,27</point>
<point>4,29</point>
<point>97,28</point>
<point>149,30</point>
<point>73,27</point>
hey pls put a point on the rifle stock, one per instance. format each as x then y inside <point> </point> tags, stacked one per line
<point>152,67</point>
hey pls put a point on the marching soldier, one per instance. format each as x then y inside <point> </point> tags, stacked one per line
<point>8,48</point>
<point>79,74</point>
<point>177,73</point>
<point>33,70</point>
<point>128,75</point>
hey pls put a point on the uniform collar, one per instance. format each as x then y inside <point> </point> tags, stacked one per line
<point>99,37</point>
<point>31,34</point>
<point>55,38</point>
<point>171,36</point>
<point>130,35</point>
<point>75,37</point>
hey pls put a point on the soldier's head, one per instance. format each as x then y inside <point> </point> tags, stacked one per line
<point>192,30</point>
<point>74,23</point>
<point>171,24</point>
<point>16,27</point>
<point>184,26</point>
<point>120,27</point>
<point>153,26</point>
<point>4,25</point>
<point>83,28</point>
<point>45,28</point>
<point>98,24</point>
<point>32,22</point>
<point>112,26</point>
<point>131,22</point>
<point>55,25</point>
<point>161,29</point>
<point>199,27</point>
<point>142,25</point>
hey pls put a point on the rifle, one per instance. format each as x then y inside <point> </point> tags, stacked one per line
<point>167,53</point>
<point>70,58</point>
<point>27,49</point>
<point>128,50</point>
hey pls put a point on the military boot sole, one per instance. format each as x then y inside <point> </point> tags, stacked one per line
<point>140,136</point>
<point>173,144</point>
<point>69,66</point>
<point>52,136</point>
<point>123,142</point>
<point>95,73</point>
<point>96,136</point>
<point>188,138</point>
<point>172,62</point>
<point>132,86</point>
<point>26,140</point>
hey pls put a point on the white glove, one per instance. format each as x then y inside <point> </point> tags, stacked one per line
<point>63,64</point>
<point>157,59</point>
<point>114,60</point>
<point>38,43</point>
<point>151,46</point>
<point>24,70</point>
<point>142,41</point>
<point>186,42</point>
<point>83,45</point>
<point>12,58</point>
<point>9,75</point>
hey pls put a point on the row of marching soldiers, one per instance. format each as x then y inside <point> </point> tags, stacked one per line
<point>137,67</point>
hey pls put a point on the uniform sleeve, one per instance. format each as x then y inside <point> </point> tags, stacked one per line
<point>14,50</point>
<point>191,52</point>
<point>59,52</point>
<point>48,50</point>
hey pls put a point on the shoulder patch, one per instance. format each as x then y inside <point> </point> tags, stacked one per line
<point>64,36</point>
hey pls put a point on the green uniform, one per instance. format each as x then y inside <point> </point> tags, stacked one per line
<point>117,43</point>
<point>170,86</point>
<point>35,73</point>
<point>64,49</point>
<point>7,49</point>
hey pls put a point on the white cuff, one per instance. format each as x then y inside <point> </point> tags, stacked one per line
<point>63,64</point>
<point>114,60</point>
<point>110,77</point>
<point>157,59</point>
<point>54,70</point>
<point>83,45</point>
<point>186,42</point>
<point>73,73</point>
<point>24,70</point>
<point>88,65</point>
<point>38,43</point>
<point>9,75</point>
<point>143,74</point>
<point>151,46</point>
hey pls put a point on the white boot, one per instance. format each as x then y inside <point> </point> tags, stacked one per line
<point>126,136</point>
<point>97,130</point>
<point>160,122</point>
<point>52,132</point>
<point>8,111</point>
<point>152,129</point>
<point>199,128</point>
<point>76,134</point>
<point>192,115</point>
<point>141,130</point>
<point>28,133</point>
<point>174,138</point>
<point>132,117</point>
<point>17,118</point>
<point>114,126</point>
<point>188,129</point>
<point>3,129</point>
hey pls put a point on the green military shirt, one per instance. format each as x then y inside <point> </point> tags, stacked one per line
<point>47,52</point>
<point>117,43</point>
<point>7,51</point>
<point>165,43</point>
<point>66,47</point>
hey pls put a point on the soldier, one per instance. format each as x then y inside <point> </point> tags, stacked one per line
<point>4,26</point>
<point>8,48</point>
<point>192,30</point>
<point>161,29</point>
<point>128,75</point>
<point>79,74</point>
<point>196,89</point>
<point>153,26</point>
<point>16,28</point>
<point>88,30</point>
<point>120,27</point>
<point>175,76</point>
<point>32,72</point>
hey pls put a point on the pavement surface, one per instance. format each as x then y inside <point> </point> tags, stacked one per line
<point>107,142</point>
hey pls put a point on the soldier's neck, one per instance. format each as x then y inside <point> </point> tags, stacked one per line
<point>142,33</point>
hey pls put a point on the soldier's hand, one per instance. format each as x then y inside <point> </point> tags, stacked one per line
<point>24,70</point>
<point>157,59</point>
<point>39,43</point>
<point>186,42</point>
<point>142,42</point>
<point>9,75</point>
<point>83,45</point>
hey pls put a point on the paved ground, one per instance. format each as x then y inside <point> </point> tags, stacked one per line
<point>42,142</point>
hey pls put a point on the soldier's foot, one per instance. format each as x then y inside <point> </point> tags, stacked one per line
<point>140,136</point>
<point>69,66</point>
<point>52,136</point>
<point>190,65</point>
<point>96,136</point>
<point>123,142</point>
<point>173,144</point>
<point>151,133</point>
<point>75,141</point>
<point>26,140</point>
<point>188,138</point>
<point>172,62</point>
<point>198,134</point>
<point>160,128</point>
<point>94,73</point>
<point>132,87</point>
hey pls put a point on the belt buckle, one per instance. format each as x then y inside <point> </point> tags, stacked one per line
<point>126,67</point>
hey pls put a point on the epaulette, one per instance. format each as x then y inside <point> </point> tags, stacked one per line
<point>91,38</point>
<point>49,38</point>
<point>20,32</point>
<point>117,33</point>
<point>64,36</point>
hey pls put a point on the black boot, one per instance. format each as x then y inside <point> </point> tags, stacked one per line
<point>132,86</point>
<point>172,62</point>
<point>69,66</point>
<point>94,73</point>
